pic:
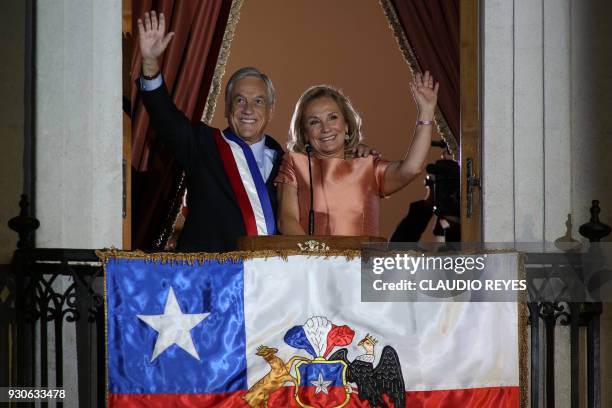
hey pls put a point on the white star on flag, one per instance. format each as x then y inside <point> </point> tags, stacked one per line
<point>321,384</point>
<point>173,327</point>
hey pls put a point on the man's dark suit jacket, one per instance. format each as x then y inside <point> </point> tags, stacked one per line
<point>214,222</point>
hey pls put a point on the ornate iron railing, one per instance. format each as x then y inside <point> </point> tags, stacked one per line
<point>544,317</point>
<point>55,288</point>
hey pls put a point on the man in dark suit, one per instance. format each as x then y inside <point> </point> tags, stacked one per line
<point>230,173</point>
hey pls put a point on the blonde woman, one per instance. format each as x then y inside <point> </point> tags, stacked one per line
<point>346,190</point>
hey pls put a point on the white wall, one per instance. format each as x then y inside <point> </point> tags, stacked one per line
<point>527,121</point>
<point>78,123</point>
<point>547,98</point>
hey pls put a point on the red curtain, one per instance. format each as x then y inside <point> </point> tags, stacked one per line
<point>187,66</point>
<point>432,30</point>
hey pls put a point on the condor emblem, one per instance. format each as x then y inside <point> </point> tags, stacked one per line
<point>330,379</point>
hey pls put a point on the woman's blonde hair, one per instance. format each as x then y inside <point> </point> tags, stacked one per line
<point>297,131</point>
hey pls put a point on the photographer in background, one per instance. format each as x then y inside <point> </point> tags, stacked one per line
<point>442,201</point>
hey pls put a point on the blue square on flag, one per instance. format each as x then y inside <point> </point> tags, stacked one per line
<point>175,327</point>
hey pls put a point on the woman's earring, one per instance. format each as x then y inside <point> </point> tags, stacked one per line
<point>347,137</point>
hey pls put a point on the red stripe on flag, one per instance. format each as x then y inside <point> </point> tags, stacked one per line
<point>226,400</point>
<point>231,169</point>
<point>493,397</point>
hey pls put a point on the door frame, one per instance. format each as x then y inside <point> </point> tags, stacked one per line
<point>470,114</point>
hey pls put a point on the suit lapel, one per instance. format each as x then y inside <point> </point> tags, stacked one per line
<point>273,144</point>
<point>278,159</point>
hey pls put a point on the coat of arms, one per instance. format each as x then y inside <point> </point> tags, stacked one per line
<point>330,379</point>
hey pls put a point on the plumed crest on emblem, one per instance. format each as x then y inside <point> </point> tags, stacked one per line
<point>319,336</point>
<point>369,338</point>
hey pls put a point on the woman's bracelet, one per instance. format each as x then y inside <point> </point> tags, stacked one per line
<point>424,122</point>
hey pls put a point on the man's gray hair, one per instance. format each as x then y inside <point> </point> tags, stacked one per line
<point>246,72</point>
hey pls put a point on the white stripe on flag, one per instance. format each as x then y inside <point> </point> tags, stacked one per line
<point>441,346</point>
<point>249,185</point>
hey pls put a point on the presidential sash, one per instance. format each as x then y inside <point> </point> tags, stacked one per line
<point>247,183</point>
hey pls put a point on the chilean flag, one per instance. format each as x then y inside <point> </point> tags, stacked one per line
<point>293,332</point>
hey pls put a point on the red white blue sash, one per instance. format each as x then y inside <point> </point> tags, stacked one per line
<point>247,183</point>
